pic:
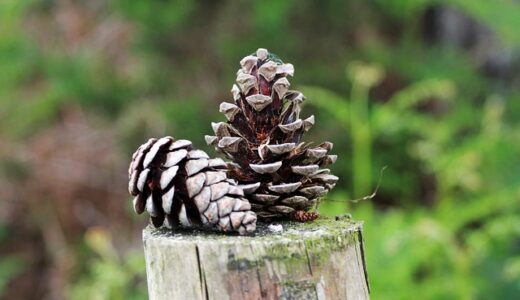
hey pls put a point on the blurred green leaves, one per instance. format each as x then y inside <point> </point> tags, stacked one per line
<point>396,117</point>
<point>107,276</point>
<point>158,17</point>
<point>466,244</point>
<point>502,16</point>
<point>10,265</point>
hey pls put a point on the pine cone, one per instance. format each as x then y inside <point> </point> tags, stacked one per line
<point>280,176</point>
<point>179,185</point>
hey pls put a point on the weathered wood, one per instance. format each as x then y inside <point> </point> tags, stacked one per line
<point>319,260</point>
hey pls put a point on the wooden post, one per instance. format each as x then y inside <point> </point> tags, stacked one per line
<point>318,260</point>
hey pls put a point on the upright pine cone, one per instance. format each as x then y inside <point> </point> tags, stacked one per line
<point>280,176</point>
<point>179,185</point>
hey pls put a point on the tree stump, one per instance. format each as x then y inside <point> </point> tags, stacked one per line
<point>318,260</point>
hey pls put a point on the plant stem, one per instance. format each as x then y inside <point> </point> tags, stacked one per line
<point>361,140</point>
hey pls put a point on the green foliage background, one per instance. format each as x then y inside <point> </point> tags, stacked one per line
<point>445,222</point>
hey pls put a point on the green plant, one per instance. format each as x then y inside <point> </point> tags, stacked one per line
<point>10,265</point>
<point>463,246</point>
<point>388,121</point>
<point>107,276</point>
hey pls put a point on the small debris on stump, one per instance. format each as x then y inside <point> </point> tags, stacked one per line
<point>275,228</point>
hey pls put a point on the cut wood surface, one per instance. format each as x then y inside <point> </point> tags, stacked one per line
<point>319,260</point>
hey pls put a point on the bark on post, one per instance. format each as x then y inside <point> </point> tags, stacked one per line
<point>319,260</point>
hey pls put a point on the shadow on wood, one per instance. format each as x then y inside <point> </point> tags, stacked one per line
<point>319,260</point>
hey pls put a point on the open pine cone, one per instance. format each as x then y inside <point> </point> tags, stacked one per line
<point>179,185</point>
<point>280,176</point>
